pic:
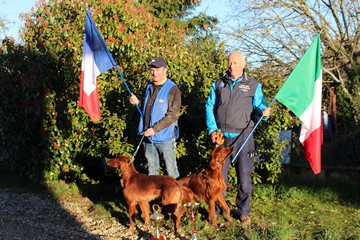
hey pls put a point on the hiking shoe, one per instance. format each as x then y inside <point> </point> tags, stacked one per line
<point>245,220</point>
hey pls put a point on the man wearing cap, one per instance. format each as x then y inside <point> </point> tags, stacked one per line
<point>159,123</point>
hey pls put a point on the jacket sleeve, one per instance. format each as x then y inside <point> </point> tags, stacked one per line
<point>259,102</point>
<point>209,108</point>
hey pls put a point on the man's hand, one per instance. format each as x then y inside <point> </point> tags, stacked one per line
<point>217,137</point>
<point>149,132</point>
<point>266,112</point>
<point>134,100</point>
<point>213,136</point>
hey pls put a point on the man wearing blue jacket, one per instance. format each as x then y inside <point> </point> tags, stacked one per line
<point>159,123</point>
<point>231,104</point>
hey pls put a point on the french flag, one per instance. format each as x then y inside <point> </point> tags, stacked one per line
<point>96,59</point>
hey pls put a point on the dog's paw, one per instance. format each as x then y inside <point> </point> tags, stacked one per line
<point>130,229</point>
<point>215,225</point>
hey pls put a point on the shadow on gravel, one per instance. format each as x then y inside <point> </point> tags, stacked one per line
<point>107,194</point>
<point>29,215</point>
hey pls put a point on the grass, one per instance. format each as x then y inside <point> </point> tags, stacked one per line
<point>291,209</point>
<point>298,211</point>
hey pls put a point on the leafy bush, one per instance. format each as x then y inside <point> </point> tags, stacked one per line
<point>57,139</point>
<point>72,143</point>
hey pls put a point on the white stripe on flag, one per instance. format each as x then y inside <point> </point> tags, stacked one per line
<point>91,71</point>
<point>311,117</point>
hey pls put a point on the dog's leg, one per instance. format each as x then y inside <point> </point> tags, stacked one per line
<point>176,217</point>
<point>145,209</point>
<point>171,201</point>
<point>178,214</point>
<point>176,220</point>
<point>132,212</point>
<point>212,212</point>
<point>173,212</point>
<point>224,205</point>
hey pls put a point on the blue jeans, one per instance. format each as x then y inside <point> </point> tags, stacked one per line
<point>153,151</point>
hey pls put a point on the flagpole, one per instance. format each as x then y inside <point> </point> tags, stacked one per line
<point>127,87</point>
<point>251,132</point>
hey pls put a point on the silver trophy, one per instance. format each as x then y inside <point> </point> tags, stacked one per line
<point>157,220</point>
<point>192,209</point>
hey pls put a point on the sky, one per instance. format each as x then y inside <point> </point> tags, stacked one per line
<point>214,8</point>
<point>11,9</point>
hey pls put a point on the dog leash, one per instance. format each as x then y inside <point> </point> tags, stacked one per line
<point>137,148</point>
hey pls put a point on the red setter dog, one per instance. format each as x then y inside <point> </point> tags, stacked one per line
<point>209,184</point>
<point>139,189</point>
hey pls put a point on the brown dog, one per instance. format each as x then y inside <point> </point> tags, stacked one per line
<point>209,184</point>
<point>139,189</point>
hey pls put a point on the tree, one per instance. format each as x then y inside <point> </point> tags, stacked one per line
<point>181,10</point>
<point>68,145</point>
<point>170,9</point>
<point>278,32</point>
<point>62,137</point>
<point>3,25</point>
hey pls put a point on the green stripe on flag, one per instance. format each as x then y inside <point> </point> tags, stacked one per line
<point>297,92</point>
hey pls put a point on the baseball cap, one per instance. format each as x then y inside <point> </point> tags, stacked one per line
<point>158,62</point>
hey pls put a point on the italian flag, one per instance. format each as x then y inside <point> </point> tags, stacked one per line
<point>301,93</point>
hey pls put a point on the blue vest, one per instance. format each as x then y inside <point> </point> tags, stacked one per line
<point>158,111</point>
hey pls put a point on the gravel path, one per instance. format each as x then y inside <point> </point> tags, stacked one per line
<point>29,216</point>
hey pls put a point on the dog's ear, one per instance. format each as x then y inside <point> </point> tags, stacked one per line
<point>214,152</point>
<point>126,159</point>
<point>217,157</point>
<point>213,163</point>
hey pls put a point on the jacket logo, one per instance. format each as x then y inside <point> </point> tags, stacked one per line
<point>244,88</point>
<point>160,100</point>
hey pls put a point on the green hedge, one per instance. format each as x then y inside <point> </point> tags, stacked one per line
<point>45,135</point>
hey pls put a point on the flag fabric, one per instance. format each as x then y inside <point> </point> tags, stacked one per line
<point>96,59</point>
<point>302,94</point>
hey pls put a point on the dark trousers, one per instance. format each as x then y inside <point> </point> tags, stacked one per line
<point>244,165</point>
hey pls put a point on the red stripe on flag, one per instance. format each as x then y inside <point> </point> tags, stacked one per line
<point>312,146</point>
<point>90,103</point>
